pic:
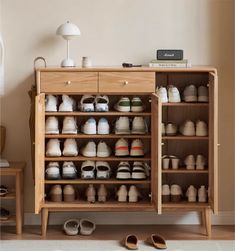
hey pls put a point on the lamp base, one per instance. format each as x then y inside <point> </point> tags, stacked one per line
<point>68,62</point>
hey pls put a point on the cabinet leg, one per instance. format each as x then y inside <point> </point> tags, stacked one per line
<point>207,213</point>
<point>44,221</point>
<point>203,220</point>
<point>18,205</point>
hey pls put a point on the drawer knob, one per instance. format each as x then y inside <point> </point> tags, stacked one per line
<point>68,82</point>
<point>125,82</point>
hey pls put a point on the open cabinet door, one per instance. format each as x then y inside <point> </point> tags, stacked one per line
<point>156,152</point>
<point>213,142</point>
<point>39,150</point>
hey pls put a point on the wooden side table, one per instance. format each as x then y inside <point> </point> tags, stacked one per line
<point>16,169</point>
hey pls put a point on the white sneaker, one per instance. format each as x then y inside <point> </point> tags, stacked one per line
<point>123,105</point>
<point>52,125</point>
<point>165,162</point>
<point>69,125</point>
<point>171,129</point>
<point>173,94</point>
<point>53,171</point>
<point>89,127</point>
<point>188,128</point>
<point>87,103</point>
<point>122,193</point>
<point>162,94</point>
<point>137,104</point>
<point>190,162</point>
<point>51,103</point>
<point>200,162</point>
<point>133,194</point>
<point>176,193</point>
<point>103,170</point>
<point>69,170</point>
<point>163,129</point>
<point>88,169</point>
<point>191,194</point>
<point>70,147</point>
<point>202,194</point>
<point>103,126</point>
<point>166,193</point>
<point>101,103</point>
<point>122,125</point>
<point>139,171</point>
<point>175,163</point>
<point>190,93</point>
<point>137,148</point>
<point>89,150</point>
<point>53,148</point>
<point>103,150</point>
<point>203,94</point>
<point>201,129</point>
<point>68,104</point>
<point>121,148</point>
<point>123,171</point>
<point>139,126</point>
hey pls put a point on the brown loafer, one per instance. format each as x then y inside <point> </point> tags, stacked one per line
<point>157,241</point>
<point>130,242</point>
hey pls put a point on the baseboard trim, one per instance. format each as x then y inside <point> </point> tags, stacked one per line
<point>141,218</point>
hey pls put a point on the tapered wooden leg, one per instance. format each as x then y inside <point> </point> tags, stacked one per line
<point>18,205</point>
<point>44,221</point>
<point>203,223</point>
<point>208,221</point>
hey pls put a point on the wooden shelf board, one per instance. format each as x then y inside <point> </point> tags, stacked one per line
<point>111,113</point>
<point>112,158</point>
<point>97,136</point>
<point>12,218</point>
<point>180,137</point>
<point>9,196</point>
<point>185,205</point>
<point>184,171</point>
<point>110,181</point>
<point>184,104</point>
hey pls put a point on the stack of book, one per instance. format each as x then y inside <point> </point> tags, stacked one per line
<point>169,63</point>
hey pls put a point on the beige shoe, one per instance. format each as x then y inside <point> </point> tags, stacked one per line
<point>56,193</point>
<point>157,241</point>
<point>102,193</point>
<point>130,242</point>
<point>69,193</point>
<point>90,193</point>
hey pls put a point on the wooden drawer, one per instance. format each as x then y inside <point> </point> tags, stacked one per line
<point>126,82</point>
<point>69,82</point>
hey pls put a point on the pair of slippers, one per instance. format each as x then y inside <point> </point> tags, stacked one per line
<point>155,240</point>
<point>3,191</point>
<point>75,226</point>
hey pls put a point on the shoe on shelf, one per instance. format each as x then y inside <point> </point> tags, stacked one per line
<point>137,104</point>
<point>200,162</point>
<point>121,148</point>
<point>89,127</point>
<point>201,128</point>
<point>89,150</point>
<point>165,162</point>
<point>122,193</point>
<point>69,125</point>
<point>69,193</point>
<point>163,128</point>
<point>69,170</point>
<point>162,94</point>
<point>52,125</point>
<point>190,162</point>
<point>56,193</point>
<point>133,194</point>
<point>123,105</point>
<point>191,194</point>
<point>70,147</point>
<point>190,93</point>
<point>103,170</point>
<point>91,193</point>
<point>53,148</point>
<point>68,104</point>
<point>87,227</point>
<point>122,125</point>
<point>88,170</point>
<point>87,103</point>
<point>123,171</point>
<point>188,128</point>
<point>3,191</point>
<point>4,214</point>
<point>103,126</point>
<point>53,171</point>
<point>139,171</point>
<point>171,129</point>
<point>101,103</point>
<point>137,148</point>
<point>175,162</point>
<point>103,150</point>
<point>51,103</point>
<point>202,194</point>
<point>166,193</point>
<point>102,193</point>
<point>203,94</point>
<point>176,193</point>
<point>71,227</point>
<point>139,126</point>
<point>173,94</point>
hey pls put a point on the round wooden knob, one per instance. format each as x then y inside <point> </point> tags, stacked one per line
<point>68,82</point>
<point>125,82</point>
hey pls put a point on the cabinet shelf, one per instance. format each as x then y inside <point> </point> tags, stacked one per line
<point>185,171</point>
<point>9,196</point>
<point>103,114</point>
<point>184,104</point>
<point>97,136</point>
<point>180,137</point>
<point>185,205</point>
<point>11,219</point>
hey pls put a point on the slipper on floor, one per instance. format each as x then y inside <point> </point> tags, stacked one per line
<point>3,191</point>
<point>71,227</point>
<point>86,227</point>
<point>157,241</point>
<point>4,214</point>
<point>130,242</point>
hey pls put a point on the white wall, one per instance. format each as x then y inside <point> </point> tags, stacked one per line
<point>113,32</point>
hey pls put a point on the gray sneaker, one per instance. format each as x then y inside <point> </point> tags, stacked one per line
<point>202,94</point>
<point>190,93</point>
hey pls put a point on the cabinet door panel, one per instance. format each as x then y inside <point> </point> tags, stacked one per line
<point>156,151</point>
<point>213,142</point>
<point>39,150</point>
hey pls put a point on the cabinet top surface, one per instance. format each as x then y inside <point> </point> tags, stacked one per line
<point>14,167</point>
<point>132,69</point>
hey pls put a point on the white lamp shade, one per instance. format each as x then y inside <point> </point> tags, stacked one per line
<point>68,30</point>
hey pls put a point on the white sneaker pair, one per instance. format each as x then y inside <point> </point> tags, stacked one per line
<point>188,128</point>
<point>101,168</point>
<point>192,94</point>
<point>122,148</point>
<point>171,95</point>
<point>53,148</point>
<point>173,193</point>
<point>192,194</point>
<point>124,104</point>
<point>199,163</point>
<point>133,194</point>
<point>90,126</point>
<point>90,103</point>
<point>89,150</point>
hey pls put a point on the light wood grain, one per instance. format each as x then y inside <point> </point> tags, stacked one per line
<point>111,113</point>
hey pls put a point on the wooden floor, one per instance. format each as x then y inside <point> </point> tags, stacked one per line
<point>174,232</point>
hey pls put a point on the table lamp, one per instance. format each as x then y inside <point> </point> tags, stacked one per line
<point>68,31</point>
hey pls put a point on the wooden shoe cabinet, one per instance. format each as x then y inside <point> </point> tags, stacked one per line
<point>142,82</point>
